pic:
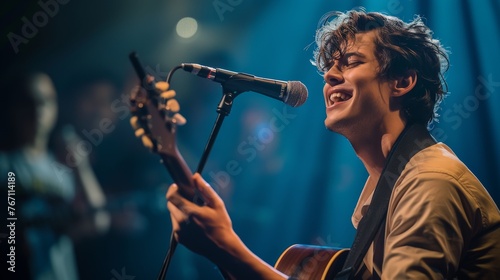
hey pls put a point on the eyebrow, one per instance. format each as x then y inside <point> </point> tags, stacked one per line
<point>349,54</point>
<point>345,57</point>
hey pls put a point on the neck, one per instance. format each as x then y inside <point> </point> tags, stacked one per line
<point>38,147</point>
<point>373,147</point>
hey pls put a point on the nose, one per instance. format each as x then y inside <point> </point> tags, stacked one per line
<point>333,76</point>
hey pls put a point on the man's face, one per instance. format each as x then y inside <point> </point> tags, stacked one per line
<point>356,99</point>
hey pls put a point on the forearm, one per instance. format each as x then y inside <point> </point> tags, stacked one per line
<point>237,262</point>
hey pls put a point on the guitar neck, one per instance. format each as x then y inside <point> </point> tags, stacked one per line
<point>181,174</point>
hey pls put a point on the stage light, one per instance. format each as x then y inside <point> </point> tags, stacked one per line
<point>186,27</point>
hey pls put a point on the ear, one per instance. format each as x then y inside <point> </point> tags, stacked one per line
<point>404,84</point>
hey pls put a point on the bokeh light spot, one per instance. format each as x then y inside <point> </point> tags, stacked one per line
<point>186,27</point>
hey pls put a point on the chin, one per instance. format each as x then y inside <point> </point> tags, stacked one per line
<point>338,126</point>
<point>331,125</point>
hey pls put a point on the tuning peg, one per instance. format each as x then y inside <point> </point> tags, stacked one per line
<point>179,119</point>
<point>162,86</point>
<point>172,106</point>
<point>134,122</point>
<point>139,132</point>
<point>168,94</point>
<point>146,141</point>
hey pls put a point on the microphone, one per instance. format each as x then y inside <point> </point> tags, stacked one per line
<point>293,93</point>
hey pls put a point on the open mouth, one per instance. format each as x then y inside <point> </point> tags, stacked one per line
<point>338,97</point>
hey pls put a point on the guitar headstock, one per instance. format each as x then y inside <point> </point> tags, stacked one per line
<point>155,118</point>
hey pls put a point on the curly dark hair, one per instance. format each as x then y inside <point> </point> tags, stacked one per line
<point>400,47</point>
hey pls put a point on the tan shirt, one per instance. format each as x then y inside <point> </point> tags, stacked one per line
<point>441,223</point>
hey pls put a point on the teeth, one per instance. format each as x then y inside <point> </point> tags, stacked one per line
<point>332,97</point>
<point>338,96</point>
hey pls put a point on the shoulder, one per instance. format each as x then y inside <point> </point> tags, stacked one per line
<point>436,178</point>
<point>7,160</point>
<point>437,158</point>
<point>438,163</point>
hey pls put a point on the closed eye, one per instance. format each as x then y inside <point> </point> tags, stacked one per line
<point>352,64</point>
<point>353,59</point>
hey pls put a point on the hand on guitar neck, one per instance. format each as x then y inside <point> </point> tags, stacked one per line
<point>207,230</point>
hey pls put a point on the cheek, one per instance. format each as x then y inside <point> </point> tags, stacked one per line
<point>370,94</point>
<point>360,79</point>
<point>326,86</point>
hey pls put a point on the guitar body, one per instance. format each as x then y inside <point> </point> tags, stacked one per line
<point>303,262</point>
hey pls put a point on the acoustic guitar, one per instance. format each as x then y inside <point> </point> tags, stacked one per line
<point>155,119</point>
<point>301,261</point>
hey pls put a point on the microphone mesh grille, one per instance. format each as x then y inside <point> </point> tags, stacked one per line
<point>296,93</point>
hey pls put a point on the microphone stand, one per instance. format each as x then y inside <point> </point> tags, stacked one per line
<point>223,110</point>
